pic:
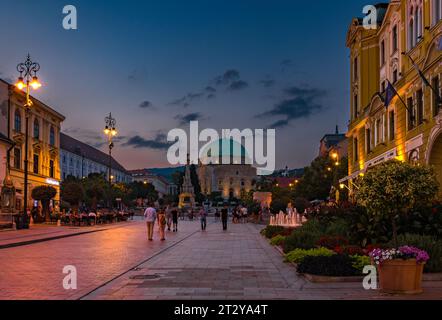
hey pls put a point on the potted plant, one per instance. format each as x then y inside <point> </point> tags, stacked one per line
<point>400,270</point>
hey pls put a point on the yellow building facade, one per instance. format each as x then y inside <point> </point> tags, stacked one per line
<point>410,128</point>
<point>43,148</point>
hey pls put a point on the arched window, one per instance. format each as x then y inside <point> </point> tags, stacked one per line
<point>411,39</point>
<point>17,121</point>
<point>418,26</point>
<point>436,8</point>
<point>52,136</point>
<point>36,129</point>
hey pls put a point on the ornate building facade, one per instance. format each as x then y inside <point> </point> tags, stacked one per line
<point>79,160</point>
<point>410,127</point>
<point>231,180</point>
<point>44,142</point>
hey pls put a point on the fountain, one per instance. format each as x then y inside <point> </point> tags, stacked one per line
<point>292,219</point>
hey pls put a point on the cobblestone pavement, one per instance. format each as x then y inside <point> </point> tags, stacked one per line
<point>35,271</point>
<point>191,265</point>
<point>235,265</point>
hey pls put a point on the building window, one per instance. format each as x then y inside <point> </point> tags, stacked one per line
<point>17,121</point>
<point>410,113</point>
<point>411,35</point>
<point>420,107</point>
<point>51,169</point>
<point>64,159</point>
<point>52,136</point>
<point>17,158</point>
<point>382,52</point>
<point>368,140</point>
<point>392,125</point>
<point>355,149</point>
<point>356,107</point>
<point>36,163</point>
<point>378,131</point>
<point>355,69</point>
<point>395,76</point>
<point>435,85</point>
<point>36,129</point>
<point>437,10</point>
<point>395,39</point>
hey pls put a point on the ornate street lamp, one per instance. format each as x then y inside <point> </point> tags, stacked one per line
<point>110,131</point>
<point>27,80</point>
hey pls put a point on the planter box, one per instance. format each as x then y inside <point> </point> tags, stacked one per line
<point>401,277</point>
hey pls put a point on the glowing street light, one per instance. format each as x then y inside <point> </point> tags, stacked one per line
<point>110,131</point>
<point>27,79</point>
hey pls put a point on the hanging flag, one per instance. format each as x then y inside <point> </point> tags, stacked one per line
<point>440,44</point>
<point>390,93</point>
<point>421,74</point>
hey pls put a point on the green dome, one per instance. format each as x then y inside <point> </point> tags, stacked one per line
<point>224,148</point>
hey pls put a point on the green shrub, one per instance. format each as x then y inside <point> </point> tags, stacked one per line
<point>298,255</point>
<point>277,240</point>
<point>427,243</point>
<point>271,231</point>
<point>304,237</point>
<point>338,228</point>
<point>359,262</point>
<point>335,266</point>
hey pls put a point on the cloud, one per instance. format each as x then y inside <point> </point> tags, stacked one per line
<point>228,77</point>
<point>138,75</point>
<point>159,142</point>
<point>231,80</point>
<point>210,89</point>
<point>297,103</point>
<point>238,85</point>
<point>146,105</point>
<point>268,82</point>
<point>187,99</point>
<point>184,119</point>
<point>90,137</point>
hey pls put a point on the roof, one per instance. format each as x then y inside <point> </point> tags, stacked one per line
<point>82,149</point>
<point>333,139</point>
<point>148,173</point>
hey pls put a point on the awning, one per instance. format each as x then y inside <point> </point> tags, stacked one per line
<point>354,175</point>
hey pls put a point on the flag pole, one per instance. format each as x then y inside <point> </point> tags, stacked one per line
<point>424,79</point>
<point>399,96</point>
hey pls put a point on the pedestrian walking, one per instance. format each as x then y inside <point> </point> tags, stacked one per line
<point>203,218</point>
<point>175,218</point>
<point>225,216</point>
<point>150,215</point>
<point>169,217</point>
<point>162,222</point>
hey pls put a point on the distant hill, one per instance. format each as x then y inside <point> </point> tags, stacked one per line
<point>166,172</point>
<point>296,173</point>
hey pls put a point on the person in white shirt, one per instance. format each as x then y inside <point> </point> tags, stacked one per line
<point>150,215</point>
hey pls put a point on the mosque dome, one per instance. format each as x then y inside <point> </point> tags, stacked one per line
<point>225,151</point>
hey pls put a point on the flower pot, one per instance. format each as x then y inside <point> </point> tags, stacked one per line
<point>401,276</point>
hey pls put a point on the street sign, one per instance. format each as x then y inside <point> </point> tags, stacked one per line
<point>118,199</point>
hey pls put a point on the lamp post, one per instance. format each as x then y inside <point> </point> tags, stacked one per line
<point>28,79</point>
<point>110,131</point>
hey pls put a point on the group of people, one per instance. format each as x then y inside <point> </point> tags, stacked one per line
<point>167,217</point>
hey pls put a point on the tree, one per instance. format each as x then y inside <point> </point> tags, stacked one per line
<point>393,188</point>
<point>44,194</point>
<point>95,186</point>
<point>72,192</point>
<point>145,191</point>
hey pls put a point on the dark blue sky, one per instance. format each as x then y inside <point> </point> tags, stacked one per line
<point>157,64</point>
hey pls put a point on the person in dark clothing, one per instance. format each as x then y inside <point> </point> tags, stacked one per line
<point>224,216</point>
<point>175,219</point>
